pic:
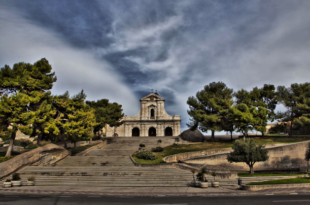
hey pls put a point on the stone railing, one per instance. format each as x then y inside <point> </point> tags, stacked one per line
<point>100,145</point>
<point>49,153</point>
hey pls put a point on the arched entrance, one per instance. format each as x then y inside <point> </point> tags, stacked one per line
<point>152,132</point>
<point>135,132</point>
<point>168,131</point>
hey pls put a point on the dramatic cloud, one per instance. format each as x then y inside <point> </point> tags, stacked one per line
<point>122,49</point>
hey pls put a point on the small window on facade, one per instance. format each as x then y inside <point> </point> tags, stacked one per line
<point>152,113</point>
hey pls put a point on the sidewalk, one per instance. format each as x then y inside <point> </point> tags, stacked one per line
<point>146,191</point>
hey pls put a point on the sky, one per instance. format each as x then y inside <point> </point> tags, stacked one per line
<point>120,50</point>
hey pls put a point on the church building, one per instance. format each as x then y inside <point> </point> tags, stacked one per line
<point>151,121</point>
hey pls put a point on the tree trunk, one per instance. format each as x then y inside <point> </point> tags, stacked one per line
<point>194,178</point>
<point>10,148</point>
<point>39,140</point>
<point>263,134</point>
<point>74,144</point>
<point>231,136</point>
<point>307,166</point>
<point>291,127</point>
<point>65,144</point>
<point>243,136</point>
<point>212,137</point>
<point>90,140</point>
<point>251,169</point>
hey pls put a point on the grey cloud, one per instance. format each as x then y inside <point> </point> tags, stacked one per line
<point>178,47</point>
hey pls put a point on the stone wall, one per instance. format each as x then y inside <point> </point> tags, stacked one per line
<point>284,157</point>
<point>47,154</point>
<point>187,155</point>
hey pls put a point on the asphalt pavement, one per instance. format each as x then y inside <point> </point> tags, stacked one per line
<point>286,199</point>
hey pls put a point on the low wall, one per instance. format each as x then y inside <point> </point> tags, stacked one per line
<point>284,157</point>
<point>47,154</point>
<point>274,186</point>
<point>100,145</point>
<point>149,165</point>
<point>187,155</point>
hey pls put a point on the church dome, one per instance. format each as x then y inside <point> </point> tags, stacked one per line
<point>192,136</point>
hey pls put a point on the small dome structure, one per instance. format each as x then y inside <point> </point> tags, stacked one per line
<point>192,136</point>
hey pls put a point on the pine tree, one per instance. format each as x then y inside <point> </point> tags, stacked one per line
<point>12,116</point>
<point>295,100</point>
<point>35,81</point>
<point>106,113</point>
<point>74,119</point>
<point>206,107</point>
<point>241,117</point>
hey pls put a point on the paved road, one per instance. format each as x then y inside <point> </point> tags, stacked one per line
<point>158,200</point>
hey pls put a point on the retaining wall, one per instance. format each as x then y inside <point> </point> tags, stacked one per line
<point>284,157</point>
<point>187,155</point>
<point>49,153</point>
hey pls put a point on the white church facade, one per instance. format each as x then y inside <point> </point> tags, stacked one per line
<point>151,121</point>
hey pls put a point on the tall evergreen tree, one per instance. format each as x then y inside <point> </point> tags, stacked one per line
<point>32,80</point>
<point>106,113</point>
<point>206,107</point>
<point>291,97</point>
<point>12,116</point>
<point>242,118</point>
<point>261,102</point>
<point>73,118</point>
<point>303,107</point>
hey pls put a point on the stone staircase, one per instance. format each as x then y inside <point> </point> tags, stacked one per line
<point>107,176</point>
<point>110,166</point>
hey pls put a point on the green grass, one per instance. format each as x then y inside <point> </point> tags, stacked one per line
<point>283,181</point>
<point>280,136</point>
<point>264,174</point>
<point>176,149</point>
<point>182,148</point>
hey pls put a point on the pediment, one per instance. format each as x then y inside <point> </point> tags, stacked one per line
<point>152,105</point>
<point>152,97</point>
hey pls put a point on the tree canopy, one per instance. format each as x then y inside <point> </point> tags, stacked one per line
<point>106,113</point>
<point>205,108</point>
<point>247,151</point>
<point>296,99</point>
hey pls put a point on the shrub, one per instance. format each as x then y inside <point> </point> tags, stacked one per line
<point>8,180</point>
<point>15,177</point>
<point>147,155</point>
<point>7,142</point>
<point>214,175</point>
<point>22,143</point>
<point>26,143</point>
<point>31,179</point>
<point>157,149</point>
<point>201,175</point>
